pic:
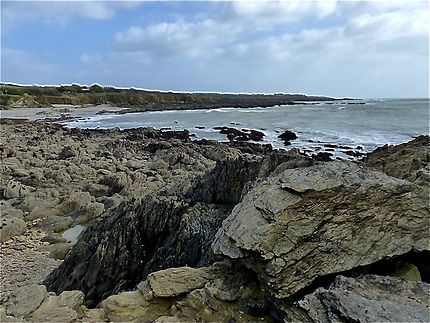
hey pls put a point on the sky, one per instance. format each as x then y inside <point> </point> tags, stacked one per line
<point>363,49</point>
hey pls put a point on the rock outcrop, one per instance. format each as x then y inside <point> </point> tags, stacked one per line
<point>150,233</point>
<point>408,161</point>
<point>367,298</point>
<point>311,222</point>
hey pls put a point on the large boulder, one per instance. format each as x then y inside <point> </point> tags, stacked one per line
<point>311,222</point>
<point>24,300</point>
<point>368,298</point>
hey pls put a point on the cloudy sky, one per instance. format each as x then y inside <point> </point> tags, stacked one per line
<point>338,48</point>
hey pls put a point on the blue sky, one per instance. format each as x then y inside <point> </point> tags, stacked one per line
<point>338,48</point>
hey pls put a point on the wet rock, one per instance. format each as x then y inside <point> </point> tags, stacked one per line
<point>354,217</point>
<point>287,135</point>
<point>10,227</point>
<point>368,298</point>
<point>322,156</point>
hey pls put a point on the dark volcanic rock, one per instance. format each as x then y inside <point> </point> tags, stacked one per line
<point>140,237</point>
<point>323,156</point>
<point>234,134</point>
<point>287,136</point>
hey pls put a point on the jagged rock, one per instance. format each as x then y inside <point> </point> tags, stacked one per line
<point>142,236</point>
<point>368,298</point>
<point>55,223</point>
<point>402,161</point>
<point>311,222</point>
<point>24,300</point>
<point>10,227</point>
<point>225,184</point>
<point>15,189</point>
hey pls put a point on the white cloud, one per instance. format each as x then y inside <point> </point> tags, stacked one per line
<point>186,39</point>
<point>15,13</point>
<point>264,14</point>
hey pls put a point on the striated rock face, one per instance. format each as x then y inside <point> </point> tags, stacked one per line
<point>367,298</point>
<point>146,234</point>
<point>310,222</point>
<point>408,161</point>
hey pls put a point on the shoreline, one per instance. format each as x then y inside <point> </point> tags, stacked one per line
<point>56,178</point>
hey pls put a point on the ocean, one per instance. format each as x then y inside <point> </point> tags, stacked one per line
<point>376,122</point>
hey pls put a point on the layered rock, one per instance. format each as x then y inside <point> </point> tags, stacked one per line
<point>367,298</point>
<point>149,233</point>
<point>311,222</point>
<point>408,161</point>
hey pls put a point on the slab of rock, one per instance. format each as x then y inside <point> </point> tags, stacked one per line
<point>55,223</point>
<point>315,221</point>
<point>25,300</point>
<point>174,281</point>
<point>10,227</point>
<point>368,298</point>
<point>132,306</point>
<point>52,310</point>
<point>57,250</point>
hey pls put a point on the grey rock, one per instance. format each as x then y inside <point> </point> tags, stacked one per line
<point>55,223</point>
<point>52,310</point>
<point>10,227</point>
<point>368,298</point>
<point>25,300</point>
<point>15,189</point>
<point>175,281</point>
<point>311,222</point>
<point>402,161</point>
<point>57,251</point>
<point>53,238</point>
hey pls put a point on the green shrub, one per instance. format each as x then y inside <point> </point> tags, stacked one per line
<point>11,90</point>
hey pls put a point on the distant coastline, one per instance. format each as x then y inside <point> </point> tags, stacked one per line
<point>139,100</point>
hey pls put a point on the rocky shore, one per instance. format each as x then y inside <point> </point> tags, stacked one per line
<point>146,225</point>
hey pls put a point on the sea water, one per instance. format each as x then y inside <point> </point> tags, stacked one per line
<point>369,125</point>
